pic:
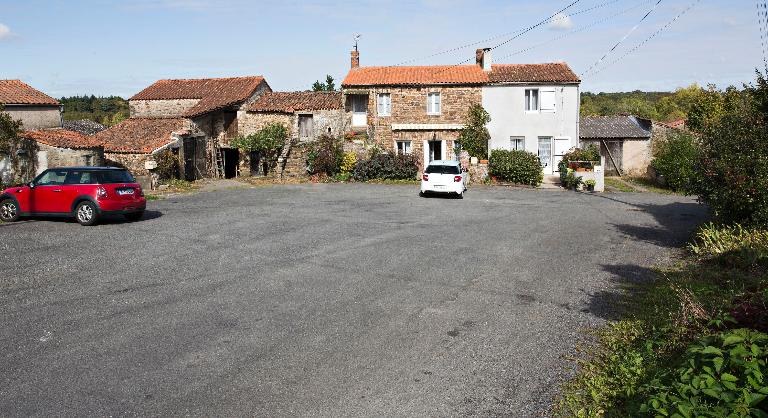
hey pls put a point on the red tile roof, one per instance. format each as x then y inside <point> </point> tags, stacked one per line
<point>62,138</point>
<point>294,101</point>
<point>214,93</point>
<point>421,75</point>
<point>556,72</point>
<point>139,135</point>
<point>18,92</point>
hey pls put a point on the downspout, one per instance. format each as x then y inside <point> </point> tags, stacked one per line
<point>578,115</point>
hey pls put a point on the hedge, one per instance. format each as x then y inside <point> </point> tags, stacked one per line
<point>521,167</point>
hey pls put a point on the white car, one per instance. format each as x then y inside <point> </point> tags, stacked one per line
<point>444,176</point>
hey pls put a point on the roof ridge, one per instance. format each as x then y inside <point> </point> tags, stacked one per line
<point>209,78</point>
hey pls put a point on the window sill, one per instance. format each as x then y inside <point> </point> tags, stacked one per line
<point>434,114</point>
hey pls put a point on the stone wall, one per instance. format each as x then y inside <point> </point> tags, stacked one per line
<point>409,105</point>
<point>636,157</point>
<point>249,123</point>
<point>35,117</point>
<point>296,163</point>
<point>67,157</point>
<point>160,108</point>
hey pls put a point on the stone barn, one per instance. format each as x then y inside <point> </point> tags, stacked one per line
<point>63,148</point>
<point>308,115</point>
<point>35,109</point>
<point>624,142</point>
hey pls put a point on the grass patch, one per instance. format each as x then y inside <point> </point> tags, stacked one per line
<point>649,185</point>
<point>619,185</point>
<point>152,197</point>
<point>691,343</point>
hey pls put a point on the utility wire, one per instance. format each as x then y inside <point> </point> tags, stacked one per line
<point>580,29</point>
<point>551,19</point>
<point>646,40</point>
<point>528,29</point>
<point>624,38</point>
<point>762,21</point>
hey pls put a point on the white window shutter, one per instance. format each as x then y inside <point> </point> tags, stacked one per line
<point>547,100</point>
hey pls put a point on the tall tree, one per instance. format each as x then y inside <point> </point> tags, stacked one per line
<point>329,85</point>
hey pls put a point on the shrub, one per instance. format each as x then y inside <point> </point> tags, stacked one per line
<point>348,162</point>
<point>721,375</point>
<point>675,159</point>
<point>733,164</point>
<point>268,142</point>
<point>167,165</point>
<point>521,167</point>
<point>325,156</point>
<point>386,166</point>
<point>474,136</point>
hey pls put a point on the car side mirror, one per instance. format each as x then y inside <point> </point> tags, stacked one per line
<point>31,184</point>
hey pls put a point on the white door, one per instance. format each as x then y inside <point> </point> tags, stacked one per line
<point>562,145</point>
<point>545,153</point>
<point>359,110</point>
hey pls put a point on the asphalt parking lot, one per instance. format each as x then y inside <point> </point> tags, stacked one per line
<point>320,300</point>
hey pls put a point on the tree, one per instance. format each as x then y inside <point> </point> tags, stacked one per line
<point>15,147</point>
<point>474,136</point>
<point>329,85</point>
<point>268,142</point>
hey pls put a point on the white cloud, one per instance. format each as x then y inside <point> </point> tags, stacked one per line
<point>5,32</point>
<point>560,22</point>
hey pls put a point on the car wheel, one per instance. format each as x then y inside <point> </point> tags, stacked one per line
<point>87,214</point>
<point>460,195</point>
<point>422,194</point>
<point>135,216</point>
<point>9,211</point>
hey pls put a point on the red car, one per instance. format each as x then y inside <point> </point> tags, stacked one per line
<point>87,193</point>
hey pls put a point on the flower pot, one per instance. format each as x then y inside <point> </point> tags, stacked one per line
<point>483,161</point>
<point>590,187</point>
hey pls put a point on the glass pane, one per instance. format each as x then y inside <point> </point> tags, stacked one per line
<point>545,150</point>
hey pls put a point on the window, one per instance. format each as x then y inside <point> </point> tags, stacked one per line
<point>517,143</point>
<point>384,104</point>
<point>113,176</point>
<point>403,147</point>
<point>305,126</point>
<point>433,104</point>
<point>443,169</point>
<point>531,100</point>
<point>51,178</point>
<point>547,102</point>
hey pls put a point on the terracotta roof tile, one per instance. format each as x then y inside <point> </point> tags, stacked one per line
<point>139,135</point>
<point>420,75</point>
<point>62,138</point>
<point>18,92</point>
<point>214,93</point>
<point>297,101</point>
<point>557,72</point>
<point>594,127</point>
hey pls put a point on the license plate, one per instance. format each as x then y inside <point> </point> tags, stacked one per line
<point>123,192</point>
<point>439,186</point>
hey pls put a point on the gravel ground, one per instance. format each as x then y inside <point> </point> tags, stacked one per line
<point>320,300</point>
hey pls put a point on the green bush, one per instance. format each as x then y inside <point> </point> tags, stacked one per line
<point>721,375</point>
<point>474,136</point>
<point>676,159</point>
<point>712,240</point>
<point>268,142</point>
<point>521,167</point>
<point>734,159</point>
<point>167,165</point>
<point>386,166</point>
<point>325,156</point>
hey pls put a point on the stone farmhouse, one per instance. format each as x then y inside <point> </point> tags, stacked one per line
<point>421,109</point>
<point>48,144</point>
<point>195,118</point>
<point>307,115</point>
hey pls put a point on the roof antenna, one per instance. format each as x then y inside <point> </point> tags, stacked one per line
<point>357,37</point>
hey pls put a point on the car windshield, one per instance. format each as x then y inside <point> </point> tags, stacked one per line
<point>443,169</point>
<point>113,176</point>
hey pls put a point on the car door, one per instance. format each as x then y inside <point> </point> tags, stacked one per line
<point>45,196</point>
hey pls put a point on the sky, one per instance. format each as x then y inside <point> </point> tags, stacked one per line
<point>105,47</point>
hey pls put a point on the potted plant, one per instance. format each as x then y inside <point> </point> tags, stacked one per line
<point>590,184</point>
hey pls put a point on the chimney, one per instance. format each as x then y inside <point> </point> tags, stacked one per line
<point>483,58</point>
<point>355,58</point>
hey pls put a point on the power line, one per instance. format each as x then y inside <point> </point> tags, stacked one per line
<point>653,35</point>
<point>624,38</point>
<point>762,21</point>
<point>458,48</point>
<point>528,29</point>
<point>580,29</point>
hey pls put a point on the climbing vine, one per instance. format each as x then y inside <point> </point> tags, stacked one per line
<point>21,151</point>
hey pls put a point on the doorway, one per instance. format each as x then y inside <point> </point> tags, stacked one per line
<point>545,153</point>
<point>189,146</point>
<point>435,150</point>
<point>359,110</point>
<point>231,157</point>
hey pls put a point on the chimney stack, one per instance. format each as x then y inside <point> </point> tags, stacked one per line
<point>483,58</point>
<point>355,58</point>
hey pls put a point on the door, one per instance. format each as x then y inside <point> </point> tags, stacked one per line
<point>46,196</point>
<point>359,110</point>
<point>562,145</point>
<point>545,153</point>
<point>231,159</point>
<point>189,147</point>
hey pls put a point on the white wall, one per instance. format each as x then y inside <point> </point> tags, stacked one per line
<point>506,105</point>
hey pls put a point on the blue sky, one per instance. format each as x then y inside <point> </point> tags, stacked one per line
<point>118,47</point>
